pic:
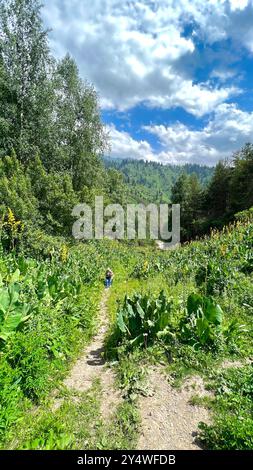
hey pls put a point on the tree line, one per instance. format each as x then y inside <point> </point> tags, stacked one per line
<point>156,180</point>
<point>229,191</point>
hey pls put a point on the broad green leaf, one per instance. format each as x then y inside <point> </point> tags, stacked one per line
<point>4,300</point>
<point>162,321</point>
<point>130,310</point>
<point>11,323</point>
<point>140,310</point>
<point>15,277</point>
<point>120,322</point>
<point>213,312</point>
<point>14,293</point>
<point>194,302</point>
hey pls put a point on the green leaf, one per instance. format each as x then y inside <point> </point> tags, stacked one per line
<point>213,312</point>
<point>140,310</point>
<point>15,277</point>
<point>4,300</point>
<point>14,293</point>
<point>120,322</point>
<point>130,310</point>
<point>194,302</point>
<point>11,322</point>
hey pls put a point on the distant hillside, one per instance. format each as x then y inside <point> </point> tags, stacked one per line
<point>158,179</point>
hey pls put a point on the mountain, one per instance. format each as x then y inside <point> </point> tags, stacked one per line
<point>155,178</point>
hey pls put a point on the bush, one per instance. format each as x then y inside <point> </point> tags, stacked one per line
<point>143,319</point>
<point>215,278</point>
<point>202,326</point>
<point>28,356</point>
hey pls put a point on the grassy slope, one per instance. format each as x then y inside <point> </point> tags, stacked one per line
<point>146,270</point>
<point>228,267</point>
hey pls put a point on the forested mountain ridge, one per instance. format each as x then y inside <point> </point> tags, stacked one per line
<point>208,197</point>
<point>157,179</point>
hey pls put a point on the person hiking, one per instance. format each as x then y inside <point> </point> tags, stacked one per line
<point>108,277</point>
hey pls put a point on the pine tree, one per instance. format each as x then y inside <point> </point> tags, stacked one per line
<point>217,197</point>
<point>241,186</point>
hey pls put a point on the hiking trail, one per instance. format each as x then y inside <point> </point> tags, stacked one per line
<point>169,421</point>
<point>91,365</point>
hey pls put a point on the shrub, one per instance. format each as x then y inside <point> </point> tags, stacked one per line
<point>143,319</point>
<point>202,326</point>
<point>214,276</point>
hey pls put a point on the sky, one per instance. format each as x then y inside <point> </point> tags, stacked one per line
<point>174,77</point>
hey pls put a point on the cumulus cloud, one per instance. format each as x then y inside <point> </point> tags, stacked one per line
<point>150,52</point>
<point>226,132</point>
<point>129,49</point>
<point>124,146</point>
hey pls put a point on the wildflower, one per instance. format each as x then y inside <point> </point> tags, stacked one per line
<point>145,266</point>
<point>12,227</point>
<point>64,253</point>
<point>223,249</point>
<point>13,224</point>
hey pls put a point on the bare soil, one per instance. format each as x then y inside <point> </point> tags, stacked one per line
<point>91,365</point>
<point>166,246</point>
<point>169,421</point>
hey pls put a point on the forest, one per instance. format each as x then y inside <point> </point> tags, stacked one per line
<point>156,180</point>
<point>171,316</point>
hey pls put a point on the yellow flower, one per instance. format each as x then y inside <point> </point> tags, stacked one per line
<point>11,217</point>
<point>145,266</point>
<point>223,249</point>
<point>12,223</point>
<point>64,253</point>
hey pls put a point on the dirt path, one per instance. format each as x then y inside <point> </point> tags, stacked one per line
<point>169,421</point>
<point>166,246</point>
<point>91,365</point>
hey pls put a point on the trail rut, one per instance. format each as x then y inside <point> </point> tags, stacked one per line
<point>91,365</point>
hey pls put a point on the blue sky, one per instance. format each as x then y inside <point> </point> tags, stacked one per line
<point>174,77</point>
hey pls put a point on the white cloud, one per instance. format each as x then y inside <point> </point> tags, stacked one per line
<point>130,49</point>
<point>223,74</point>
<point>238,4</point>
<point>227,131</point>
<point>124,146</point>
